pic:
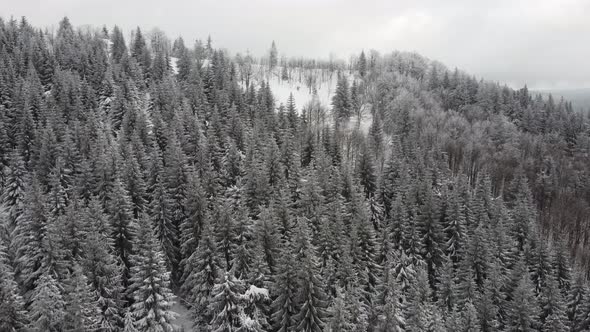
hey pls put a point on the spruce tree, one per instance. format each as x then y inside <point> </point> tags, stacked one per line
<point>204,269</point>
<point>48,308</point>
<point>12,314</point>
<point>123,226</point>
<point>522,310</point>
<point>81,306</point>
<point>285,305</point>
<point>310,295</point>
<point>225,306</point>
<point>341,100</point>
<point>150,283</point>
<point>101,267</point>
<point>30,241</point>
<point>14,188</point>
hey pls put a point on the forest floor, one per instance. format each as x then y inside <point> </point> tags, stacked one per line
<point>183,320</point>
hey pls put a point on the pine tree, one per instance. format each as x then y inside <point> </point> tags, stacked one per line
<point>30,240</point>
<point>553,314</point>
<point>101,268</point>
<point>310,296</point>
<point>341,100</point>
<point>149,283</point>
<point>255,315</point>
<point>522,310</point>
<point>123,226</point>
<point>362,64</point>
<point>267,234</point>
<point>446,287</point>
<point>14,188</point>
<point>204,269</point>
<point>432,234</point>
<point>12,313</point>
<point>417,310</point>
<point>577,304</point>
<point>273,59</point>
<point>285,306</point>
<point>243,256</point>
<point>192,226</point>
<point>365,168</point>
<point>47,311</point>
<point>119,47</point>
<point>455,227</point>
<point>140,52</point>
<point>161,220</point>
<point>225,305</point>
<point>391,317</point>
<point>129,322</point>
<point>81,306</point>
<point>339,319</point>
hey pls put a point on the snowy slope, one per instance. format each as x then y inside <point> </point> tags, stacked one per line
<point>324,85</point>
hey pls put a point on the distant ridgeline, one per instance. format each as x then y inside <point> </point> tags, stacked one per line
<point>386,193</point>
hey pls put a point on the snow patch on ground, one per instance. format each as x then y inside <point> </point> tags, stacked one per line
<point>364,122</point>
<point>183,320</point>
<point>174,64</point>
<point>303,83</point>
<point>307,85</point>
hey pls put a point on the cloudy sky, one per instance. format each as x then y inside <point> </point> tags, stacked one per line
<point>545,43</point>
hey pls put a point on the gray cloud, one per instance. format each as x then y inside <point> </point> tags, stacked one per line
<point>540,42</point>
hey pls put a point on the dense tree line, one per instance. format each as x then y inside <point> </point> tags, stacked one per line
<point>125,183</point>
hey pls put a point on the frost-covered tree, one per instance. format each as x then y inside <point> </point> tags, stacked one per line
<point>48,308</point>
<point>150,283</point>
<point>226,306</point>
<point>81,305</point>
<point>204,269</point>
<point>12,307</point>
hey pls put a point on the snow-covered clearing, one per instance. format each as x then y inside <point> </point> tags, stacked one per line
<point>303,83</point>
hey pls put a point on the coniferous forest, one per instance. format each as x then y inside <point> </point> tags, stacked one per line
<point>140,174</point>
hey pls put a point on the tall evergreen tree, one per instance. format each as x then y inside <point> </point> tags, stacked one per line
<point>12,314</point>
<point>149,283</point>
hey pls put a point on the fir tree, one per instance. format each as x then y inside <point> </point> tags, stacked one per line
<point>48,309</point>
<point>341,100</point>
<point>225,307</point>
<point>81,306</point>
<point>123,226</point>
<point>204,269</point>
<point>149,284</point>
<point>285,305</point>
<point>12,314</point>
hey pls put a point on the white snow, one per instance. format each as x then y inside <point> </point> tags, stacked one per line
<point>174,64</point>
<point>183,318</point>
<point>108,45</point>
<point>321,90</point>
<point>323,84</point>
<point>256,292</point>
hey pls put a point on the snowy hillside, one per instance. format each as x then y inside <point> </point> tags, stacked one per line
<point>302,83</point>
<point>307,85</point>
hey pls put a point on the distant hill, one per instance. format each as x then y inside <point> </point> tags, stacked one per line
<point>580,98</point>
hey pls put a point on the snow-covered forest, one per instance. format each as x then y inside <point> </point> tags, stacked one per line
<point>150,184</point>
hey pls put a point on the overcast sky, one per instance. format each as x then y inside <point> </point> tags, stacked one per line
<point>545,43</point>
